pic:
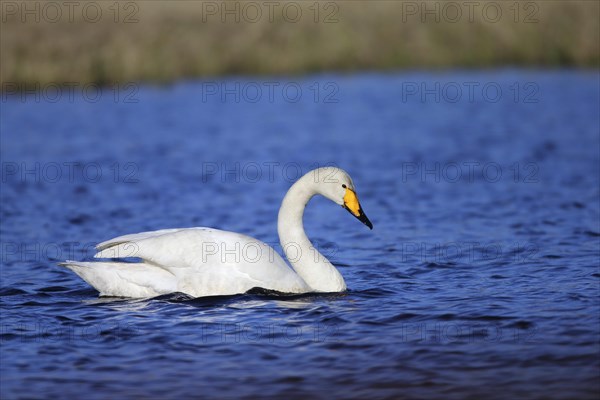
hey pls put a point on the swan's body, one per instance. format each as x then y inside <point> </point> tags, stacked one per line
<point>196,261</point>
<point>207,262</point>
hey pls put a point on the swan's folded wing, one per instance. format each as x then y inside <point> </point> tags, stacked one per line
<point>190,247</point>
<point>133,237</point>
<point>169,248</point>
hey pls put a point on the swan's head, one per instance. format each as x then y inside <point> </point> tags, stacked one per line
<point>336,185</point>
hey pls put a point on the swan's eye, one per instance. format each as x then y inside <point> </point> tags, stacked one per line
<point>344,185</point>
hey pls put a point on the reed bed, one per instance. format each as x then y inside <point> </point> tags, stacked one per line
<point>164,41</point>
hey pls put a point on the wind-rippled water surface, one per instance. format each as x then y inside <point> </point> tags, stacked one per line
<point>479,280</point>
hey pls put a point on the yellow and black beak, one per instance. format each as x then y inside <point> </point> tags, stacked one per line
<point>353,206</point>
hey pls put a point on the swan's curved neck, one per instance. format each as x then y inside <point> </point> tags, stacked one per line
<point>311,265</point>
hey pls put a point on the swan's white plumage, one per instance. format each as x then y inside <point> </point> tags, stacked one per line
<point>125,279</point>
<point>196,261</point>
<point>206,262</point>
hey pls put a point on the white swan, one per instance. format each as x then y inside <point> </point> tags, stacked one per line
<point>208,262</point>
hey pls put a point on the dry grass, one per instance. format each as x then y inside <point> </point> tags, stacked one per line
<point>171,40</point>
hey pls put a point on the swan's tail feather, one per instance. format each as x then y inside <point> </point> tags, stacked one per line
<point>73,265</point>
<point>124,279</point>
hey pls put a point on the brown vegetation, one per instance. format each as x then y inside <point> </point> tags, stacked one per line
<point>163,41</point>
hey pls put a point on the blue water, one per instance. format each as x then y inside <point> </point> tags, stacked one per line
<point>480,279</point>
